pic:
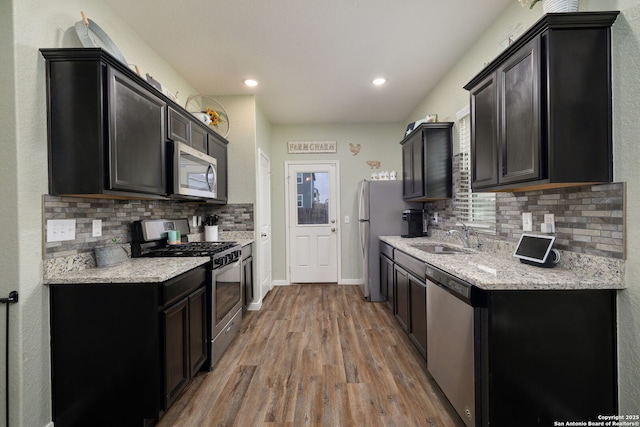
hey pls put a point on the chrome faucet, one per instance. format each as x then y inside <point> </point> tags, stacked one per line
<point>464,234</point>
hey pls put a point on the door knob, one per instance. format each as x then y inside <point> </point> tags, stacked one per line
<point>333,229</point>
<point>333,221</point>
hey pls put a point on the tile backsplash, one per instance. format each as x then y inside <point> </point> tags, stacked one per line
<point>117,215</point>
<point>589,219</point>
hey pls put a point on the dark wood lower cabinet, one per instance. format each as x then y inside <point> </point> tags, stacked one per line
<point>418,302</point>
<point>401,281</point>
<point>386,280</point>
<point>247,281</point>
<point>121,353</point>
<point>197,330</point>
<point>549,356</point>
<point>175,321</point>
<point>541,356</point>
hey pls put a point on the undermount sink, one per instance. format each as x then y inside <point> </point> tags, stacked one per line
<point>440,249</point>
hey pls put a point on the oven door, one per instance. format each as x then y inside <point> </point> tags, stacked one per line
<point>195,174</point>
<point>226,294</point>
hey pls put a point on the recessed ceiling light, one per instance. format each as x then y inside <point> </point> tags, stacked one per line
<point>379,81</point>
<point>251,82</point>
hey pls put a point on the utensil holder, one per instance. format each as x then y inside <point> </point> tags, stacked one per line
<point>211,233</point>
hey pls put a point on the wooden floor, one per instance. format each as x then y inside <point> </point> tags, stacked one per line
<point>316,355</point>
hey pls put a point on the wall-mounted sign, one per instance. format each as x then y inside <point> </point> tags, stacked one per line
<point>311,147</point>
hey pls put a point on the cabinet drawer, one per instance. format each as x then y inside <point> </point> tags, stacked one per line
<point>411,264</point>
<point>386,250</point>
<point>182,285</point>
<point>221,342</point>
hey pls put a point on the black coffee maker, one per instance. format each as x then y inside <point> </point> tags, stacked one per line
<point>412,223</point>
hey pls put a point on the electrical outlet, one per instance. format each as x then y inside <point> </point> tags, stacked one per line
<point>527,221</point>
<point>551,220</point>
<point>435,217</point>
<point>59,230</point>
<point>96,228</point>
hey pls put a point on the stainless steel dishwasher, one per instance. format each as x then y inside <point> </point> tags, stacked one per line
<point>454,310</point>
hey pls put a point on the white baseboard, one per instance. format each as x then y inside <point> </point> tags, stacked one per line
<point>255,306</point>
<point>342,282</point>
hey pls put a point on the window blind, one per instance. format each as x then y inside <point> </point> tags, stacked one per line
<point>477,210</point>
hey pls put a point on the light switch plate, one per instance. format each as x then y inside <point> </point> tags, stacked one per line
<point>96,228</point>
<point>59,230</point>
<point>527,221</point>
<point>346,219</point>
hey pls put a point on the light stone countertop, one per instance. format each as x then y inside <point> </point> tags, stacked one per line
<point>493,272</point>
<point>135,270</point>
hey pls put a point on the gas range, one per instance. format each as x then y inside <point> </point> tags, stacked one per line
<point>150,240</point>
<point>224,297</point>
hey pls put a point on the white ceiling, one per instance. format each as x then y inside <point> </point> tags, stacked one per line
<point>314,59</point>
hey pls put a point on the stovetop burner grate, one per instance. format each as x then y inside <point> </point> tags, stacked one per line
<point>191,249</point>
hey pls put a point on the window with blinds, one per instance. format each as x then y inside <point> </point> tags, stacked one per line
<point>477,210</point>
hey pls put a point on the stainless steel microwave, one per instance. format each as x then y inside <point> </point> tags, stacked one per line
<point>195,174</point>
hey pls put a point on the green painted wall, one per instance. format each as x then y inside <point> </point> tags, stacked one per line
<point>377,141</point>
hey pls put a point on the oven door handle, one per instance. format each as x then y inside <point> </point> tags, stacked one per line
<point>219,270</point>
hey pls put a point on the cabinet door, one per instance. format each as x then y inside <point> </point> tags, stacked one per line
<point>401,280</point>
<point>218,150</point>
<point>418,326</point>
<point>484,134</point>
<point>179,128</point>
<point>136,137</point>
<point>407,171</point>
<point>175,321</point>
<point>412,164</point>
<point>199,138</point>
<point>519,107</point>
<point>386,280</point>
<point>197,330</point>
<point>437,161</point>
<point>247,278</point>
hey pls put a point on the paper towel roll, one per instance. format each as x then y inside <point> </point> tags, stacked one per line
<point>211,233</point>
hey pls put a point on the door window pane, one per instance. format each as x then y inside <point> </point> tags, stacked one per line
<point>313,198</point>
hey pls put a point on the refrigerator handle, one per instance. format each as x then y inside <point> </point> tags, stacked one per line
<point>361,200</point>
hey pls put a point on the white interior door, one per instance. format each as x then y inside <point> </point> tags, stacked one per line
<point>264,221</point>
<point>312,222</point>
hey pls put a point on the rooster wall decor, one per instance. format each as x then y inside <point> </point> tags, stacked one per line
<point>355,149</point>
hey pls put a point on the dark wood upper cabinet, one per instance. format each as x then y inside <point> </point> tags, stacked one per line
<point>108,129</point>
<point>426,162</point>
<point>218,150</point>
<point>186,130</point>
<point>136,137</point>
<point>541,111</point>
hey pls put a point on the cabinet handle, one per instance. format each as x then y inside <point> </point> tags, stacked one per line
<point>229,328</point>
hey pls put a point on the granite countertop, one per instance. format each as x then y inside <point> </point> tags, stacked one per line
<point>493,271</point>
<point>135,270</point>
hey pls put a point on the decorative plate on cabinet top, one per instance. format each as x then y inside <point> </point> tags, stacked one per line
<point>209,111</point>
<point>91,35</point>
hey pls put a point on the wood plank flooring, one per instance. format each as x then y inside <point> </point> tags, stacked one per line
<point>316,355</point>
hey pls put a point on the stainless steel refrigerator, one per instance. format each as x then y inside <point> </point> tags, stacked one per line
<point>379,214</point>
